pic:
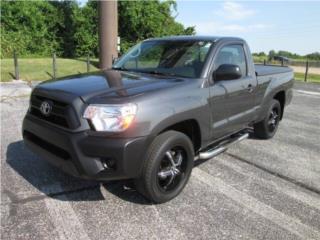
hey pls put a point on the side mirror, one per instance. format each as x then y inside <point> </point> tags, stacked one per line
<point>227,72</point>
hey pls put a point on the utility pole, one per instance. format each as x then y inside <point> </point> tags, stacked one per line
<point>108,32</point>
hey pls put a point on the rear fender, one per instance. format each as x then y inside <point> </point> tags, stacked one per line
<point>278,83</point>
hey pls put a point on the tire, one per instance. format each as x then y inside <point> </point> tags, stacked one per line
<point>269,125</point>
<point>161,179</point>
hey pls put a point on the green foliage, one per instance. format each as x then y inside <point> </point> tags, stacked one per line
<point>260,54</point>
<point>66,28</point>
<point>86,31</point>
<point>312,77</point>
<point>37,28</point>
<point>29,28</point>
<point>259,57</point>
<point>289,54</point>
<point>271,54</point>
<point>313,56</point>
<point>139,20</point>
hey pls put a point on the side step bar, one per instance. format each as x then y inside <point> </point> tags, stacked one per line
<point>220,149</point>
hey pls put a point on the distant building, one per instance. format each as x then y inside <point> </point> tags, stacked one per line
<point>281,58</point>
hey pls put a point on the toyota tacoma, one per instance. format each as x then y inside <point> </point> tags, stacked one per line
<point>163,105</point>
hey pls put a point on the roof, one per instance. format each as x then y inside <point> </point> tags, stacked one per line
<point>194,38</point>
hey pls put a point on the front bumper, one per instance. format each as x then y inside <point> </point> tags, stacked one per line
<point>83,155</point>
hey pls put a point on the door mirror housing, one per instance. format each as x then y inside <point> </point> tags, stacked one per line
<point>227,72</point>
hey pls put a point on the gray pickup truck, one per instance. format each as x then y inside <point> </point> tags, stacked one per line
<point>165,104</point>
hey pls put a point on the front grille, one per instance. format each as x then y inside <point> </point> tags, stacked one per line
<point>59,152</point>
<point>61,114</point>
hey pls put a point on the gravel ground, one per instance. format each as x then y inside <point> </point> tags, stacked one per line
<point>300,69</point>
<point>256,190</point>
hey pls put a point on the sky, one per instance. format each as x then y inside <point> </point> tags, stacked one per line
<point>279,25</point>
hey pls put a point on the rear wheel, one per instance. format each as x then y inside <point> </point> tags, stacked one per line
<point>269,125</point>
<point>167,168</point>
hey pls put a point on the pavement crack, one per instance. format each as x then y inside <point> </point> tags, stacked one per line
<point>284,177</point>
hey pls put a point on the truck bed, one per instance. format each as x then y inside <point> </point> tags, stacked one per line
<point>262,70</point>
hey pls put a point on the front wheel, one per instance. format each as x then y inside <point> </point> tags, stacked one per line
<point>269,125</point>
<point>167,167</point>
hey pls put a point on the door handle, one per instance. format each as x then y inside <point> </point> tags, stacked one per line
<point>250,88</point>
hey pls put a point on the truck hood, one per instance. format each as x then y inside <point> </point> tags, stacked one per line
<point>109,83</point>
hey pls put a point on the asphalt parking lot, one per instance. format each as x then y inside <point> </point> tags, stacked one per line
<point>256,190</point>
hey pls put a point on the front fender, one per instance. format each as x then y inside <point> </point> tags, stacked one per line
<point>180,110</point>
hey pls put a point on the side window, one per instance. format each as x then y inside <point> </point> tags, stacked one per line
<point>232,54</point>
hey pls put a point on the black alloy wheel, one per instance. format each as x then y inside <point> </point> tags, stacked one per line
<point>167,167</point>
<point>172,169</point>
<point>273,119</point>
<point>267,128</point>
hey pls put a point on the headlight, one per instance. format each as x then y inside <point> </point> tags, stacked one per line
<point>110,118</point>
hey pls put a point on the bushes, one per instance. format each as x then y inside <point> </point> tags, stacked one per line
<point>28,27</point>
<point>37,28</point>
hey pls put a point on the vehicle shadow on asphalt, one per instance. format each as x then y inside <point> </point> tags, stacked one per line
<point>54,183</point>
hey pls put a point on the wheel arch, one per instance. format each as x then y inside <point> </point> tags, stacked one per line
<point>189,126</point>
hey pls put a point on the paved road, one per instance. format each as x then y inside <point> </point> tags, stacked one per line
<point>256,190</point>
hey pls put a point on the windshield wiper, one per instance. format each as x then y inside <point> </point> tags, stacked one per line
<point>161,73</point>
<point>148,72</point>
<point>120,68</point>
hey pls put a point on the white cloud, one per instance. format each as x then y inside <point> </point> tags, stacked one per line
<point>234,11</point>
<point>227,21</point>
<point>219,28</point>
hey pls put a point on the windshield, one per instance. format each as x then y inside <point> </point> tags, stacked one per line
<point>177,58</point>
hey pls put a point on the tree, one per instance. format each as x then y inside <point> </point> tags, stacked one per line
<point>271,54</point>
<point>29,28</point>
<point>86,29</point>
<point>65,31</point>
<point>38,28</point>
<point>139,20</point>
<point>260,54</point>
<point>314,56</point>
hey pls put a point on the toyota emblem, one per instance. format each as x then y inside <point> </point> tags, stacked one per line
<point>45,108</point>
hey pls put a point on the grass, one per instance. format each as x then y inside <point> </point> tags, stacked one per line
<point>311,77</point>
<point>40,69</point>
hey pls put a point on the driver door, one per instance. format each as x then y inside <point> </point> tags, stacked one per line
<point>231,101</point>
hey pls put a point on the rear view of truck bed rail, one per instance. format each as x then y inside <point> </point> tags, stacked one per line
<point>262,70</point>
